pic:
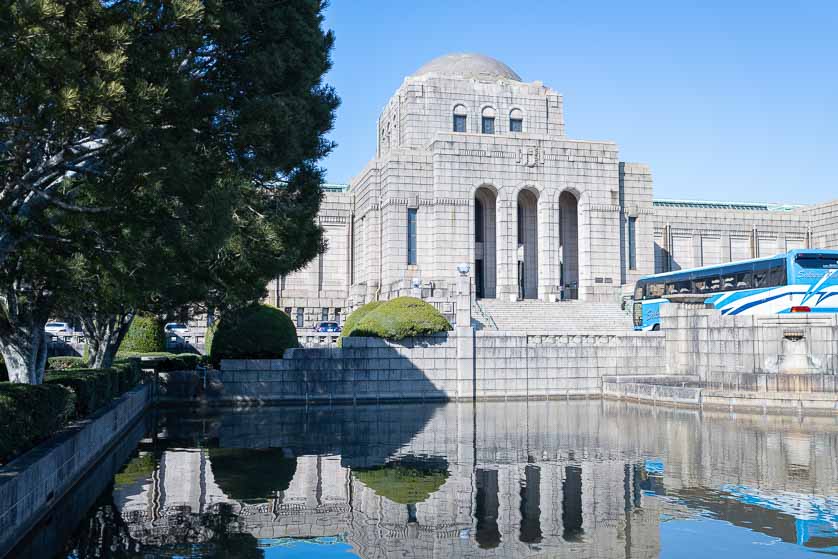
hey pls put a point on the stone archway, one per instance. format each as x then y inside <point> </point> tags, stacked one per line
<point>485,244</point>
<point>569,245</point>
<point>527,254</point>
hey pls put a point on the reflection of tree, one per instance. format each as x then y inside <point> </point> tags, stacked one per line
<point>406,481</point>
<point>251,473</point>
<point>217,535</point>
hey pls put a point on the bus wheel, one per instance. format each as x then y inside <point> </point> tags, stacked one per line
<point>656,327</point>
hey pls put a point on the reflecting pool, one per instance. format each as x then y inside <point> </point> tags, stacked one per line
<point>585,479</point>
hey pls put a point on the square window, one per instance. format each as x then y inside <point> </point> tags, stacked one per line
<point>459,123</point>
<point>516,125</point>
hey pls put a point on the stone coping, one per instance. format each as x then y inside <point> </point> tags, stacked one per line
<point>668,393</point>
<point>622,333</point>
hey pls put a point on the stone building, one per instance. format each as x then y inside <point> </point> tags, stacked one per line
<point>473,165</point>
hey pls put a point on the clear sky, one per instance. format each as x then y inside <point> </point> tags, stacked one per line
<point>725,100</point>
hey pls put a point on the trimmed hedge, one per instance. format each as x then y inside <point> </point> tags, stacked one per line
<point>31,413</point>
<point>173,361</point>
<point>145,335</point>
<point>355,317</point>
<point>66,362</point>
<point>93,387</point>
<point>96,387</point>
<point>399,318</point>
<point>255,332</point>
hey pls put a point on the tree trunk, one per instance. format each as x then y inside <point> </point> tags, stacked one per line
<point>25,353</point>
<point>24,310</point>
<point>104,334</point>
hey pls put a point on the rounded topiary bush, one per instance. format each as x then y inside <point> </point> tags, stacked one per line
<point>399,318</point>
<point>355,317</point>
<point>145,335</point>
<point>255,332</point>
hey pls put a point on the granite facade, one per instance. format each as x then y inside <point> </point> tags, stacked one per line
<point>536,214</point>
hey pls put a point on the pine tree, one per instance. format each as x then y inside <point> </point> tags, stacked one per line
<point>137,137</point>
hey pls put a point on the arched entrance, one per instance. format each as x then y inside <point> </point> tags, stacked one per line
<point>527,256</point>
<point>485,247</point>
<point>569,245</point>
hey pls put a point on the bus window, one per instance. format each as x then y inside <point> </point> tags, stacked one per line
<point>715,284</point>
<point>817,261</point>
<point>728,281</point>
<point>654,290</point>
<point>777,274</point>
<point>744,280</point>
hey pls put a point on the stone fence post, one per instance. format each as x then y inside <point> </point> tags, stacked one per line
<point>465,339</point>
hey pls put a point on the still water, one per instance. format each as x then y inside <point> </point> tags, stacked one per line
<point>547,479</point>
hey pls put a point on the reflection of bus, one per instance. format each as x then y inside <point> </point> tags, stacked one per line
<point>798,281</point>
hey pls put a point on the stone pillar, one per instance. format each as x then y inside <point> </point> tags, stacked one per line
<point>465,340</point>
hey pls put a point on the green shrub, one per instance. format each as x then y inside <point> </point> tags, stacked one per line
<point>355,317</point>
<point>403,317</point>
<point>145,335</point>
<point>172,361</point>
<point>255,332</point>
<point>93,387</point>
<point>66,362</point>
<point>129,374</point>
<point>31,413</point>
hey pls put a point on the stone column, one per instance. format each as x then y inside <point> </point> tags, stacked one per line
<point>465,340</point>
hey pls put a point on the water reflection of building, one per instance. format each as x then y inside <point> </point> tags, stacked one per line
<point>591,509</point>
<point>570,479</point>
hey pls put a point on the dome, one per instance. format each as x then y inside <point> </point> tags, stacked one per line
<point>468,66</point>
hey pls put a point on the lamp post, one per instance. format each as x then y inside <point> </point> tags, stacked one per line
<point>463,295</point>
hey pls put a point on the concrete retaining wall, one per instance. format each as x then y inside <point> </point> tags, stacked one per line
<point>488,365</point>
<point>704,342</point>
<point>31,484</point>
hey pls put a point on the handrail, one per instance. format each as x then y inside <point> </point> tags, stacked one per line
<point>485,314</point>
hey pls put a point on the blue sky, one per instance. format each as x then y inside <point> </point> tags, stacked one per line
<point>726,100</point>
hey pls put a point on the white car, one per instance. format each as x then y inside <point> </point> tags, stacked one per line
<point>57,328</point>
<point>176,328</point>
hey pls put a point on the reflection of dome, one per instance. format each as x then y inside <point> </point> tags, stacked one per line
<point>468,66</point>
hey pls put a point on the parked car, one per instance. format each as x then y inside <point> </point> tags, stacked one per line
<point>176,328</point>
<point>58,328</point>
<point>333,327</point>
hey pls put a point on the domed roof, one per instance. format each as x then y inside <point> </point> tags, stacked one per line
<point>468,66</point>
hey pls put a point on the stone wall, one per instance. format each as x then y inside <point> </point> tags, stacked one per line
<point>497,366</point>
<point>692,237</point>
<point>31,484</point>
<point>706,343</point>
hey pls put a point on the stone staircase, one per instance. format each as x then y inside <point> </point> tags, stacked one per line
<point>565,317</point>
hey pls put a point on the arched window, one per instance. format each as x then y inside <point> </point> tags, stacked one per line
<point>488,121</point>
<point>460,118</point>
<point>516,120</point>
